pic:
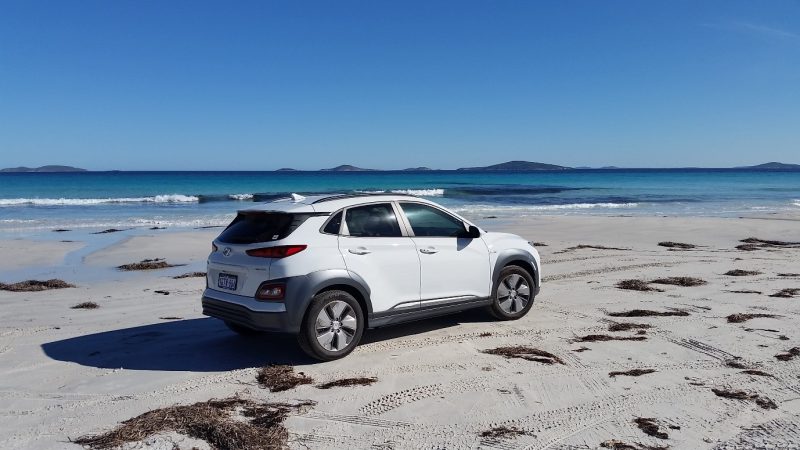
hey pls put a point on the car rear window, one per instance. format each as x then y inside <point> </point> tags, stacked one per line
<point>253,227</point>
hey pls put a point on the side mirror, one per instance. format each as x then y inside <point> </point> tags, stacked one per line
<point>473,232</point>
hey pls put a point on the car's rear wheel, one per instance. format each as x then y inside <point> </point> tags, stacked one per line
<point>513,293</point>
<point>332,327</point>
<point>242,330</point>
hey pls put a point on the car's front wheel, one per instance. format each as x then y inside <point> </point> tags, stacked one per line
<point>512,293</point>
<point>332,327</point>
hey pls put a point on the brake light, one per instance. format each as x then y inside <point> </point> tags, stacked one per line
<point>271,291</point>
<point>281,251</point>
<point>213,247</point>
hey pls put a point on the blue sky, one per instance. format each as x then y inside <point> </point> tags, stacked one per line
<point>193,85</point>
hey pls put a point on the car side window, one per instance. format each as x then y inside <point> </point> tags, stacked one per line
<point>376,220</point>
<point>431,222</point>
<point>334,224</point>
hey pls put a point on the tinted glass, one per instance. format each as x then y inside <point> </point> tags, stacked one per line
<point>252,227</point>
<point>427,221</point>
<point>372,221</point>
<point>333,226</point>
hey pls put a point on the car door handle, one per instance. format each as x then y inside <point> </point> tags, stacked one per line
<point>360,251</point>
<point>428,250</point>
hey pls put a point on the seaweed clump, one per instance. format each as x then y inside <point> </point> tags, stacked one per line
<point>526,353</point>
<point>279,378</point>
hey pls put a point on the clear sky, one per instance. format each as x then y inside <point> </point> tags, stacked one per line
<point>194,85</point>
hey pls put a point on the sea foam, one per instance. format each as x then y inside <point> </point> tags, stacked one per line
<point>165,198</point>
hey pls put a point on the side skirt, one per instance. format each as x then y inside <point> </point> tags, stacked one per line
<point>392,317</point>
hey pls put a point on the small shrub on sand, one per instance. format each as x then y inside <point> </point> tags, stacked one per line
<point>357,381</point>
<point>648,313</point>
<point>739,318</point>
<point>190,275</point>
<point>789,274</point>
<point>680,245</point>
<point>526,353</point>
<point>35,285</point>
<point>147,264</point>
<point>279,378</point>
<point>631,373</point>
<point>606,337</point>
<point>636,285</point>
<point>86,305</point>
<point>650,427</point>
<point>761,401</point>
<point>789,354</point>
<point>680,281</point>
<point>746,291</point>
<point>628,326</point>
<point>741,273</point>
<point>786,293</point>
<point>503,432</point>
<point>214,421</point>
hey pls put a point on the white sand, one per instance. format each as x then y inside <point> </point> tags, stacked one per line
<point>20,253</point>
<point>66,372</point>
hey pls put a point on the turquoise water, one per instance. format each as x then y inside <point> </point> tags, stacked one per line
<point>38,201</point>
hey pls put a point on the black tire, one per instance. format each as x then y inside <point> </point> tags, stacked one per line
<point>242,330</point>
<point>345,334</point>
<point>511,313</point>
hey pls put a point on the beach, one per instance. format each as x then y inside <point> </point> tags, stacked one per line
<point>67,373</point>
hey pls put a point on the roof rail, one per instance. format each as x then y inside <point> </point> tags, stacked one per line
<point>346,196</point>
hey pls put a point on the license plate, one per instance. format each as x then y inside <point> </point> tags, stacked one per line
<point>227,281</point>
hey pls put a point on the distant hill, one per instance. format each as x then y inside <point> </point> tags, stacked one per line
<point>44,169</point>
<point>286,169</point>
<point>516,166</point>
<point>346,168</point>
<point>417,169</point>
<point>773,166</point>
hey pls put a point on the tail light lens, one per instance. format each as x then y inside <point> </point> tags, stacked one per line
<point>214,247</point>
<point>271,291</point>
<point>281,251</point>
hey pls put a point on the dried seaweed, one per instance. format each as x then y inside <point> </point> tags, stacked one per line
<point>279,378</point>
<point>35,285</point>
<point>527,353</point>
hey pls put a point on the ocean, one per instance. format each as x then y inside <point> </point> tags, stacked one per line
<point>97,200</point>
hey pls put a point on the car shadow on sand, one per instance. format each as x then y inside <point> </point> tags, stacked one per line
<point>207,345</point>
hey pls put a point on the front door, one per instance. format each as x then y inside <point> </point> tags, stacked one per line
<point>453,267</point>
<point>375,249</point>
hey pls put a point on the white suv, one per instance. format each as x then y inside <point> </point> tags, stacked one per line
<point>328,267</point>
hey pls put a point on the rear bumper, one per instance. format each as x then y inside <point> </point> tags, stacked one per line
<point>248,312</point>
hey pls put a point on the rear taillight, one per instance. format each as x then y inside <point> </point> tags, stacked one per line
<point>271,291</point>
<point>281,251</point>
<point>214,247</point>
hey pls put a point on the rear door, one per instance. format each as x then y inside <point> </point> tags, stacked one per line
<point>453,267</point>
<point>376,249</point>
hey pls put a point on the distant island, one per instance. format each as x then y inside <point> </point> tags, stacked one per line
<point>286,169</point>
<point>44,169</point>
<point>773,166</point>
<point>417,169</point>
<point>515,166</point>
<point>347,168</point>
